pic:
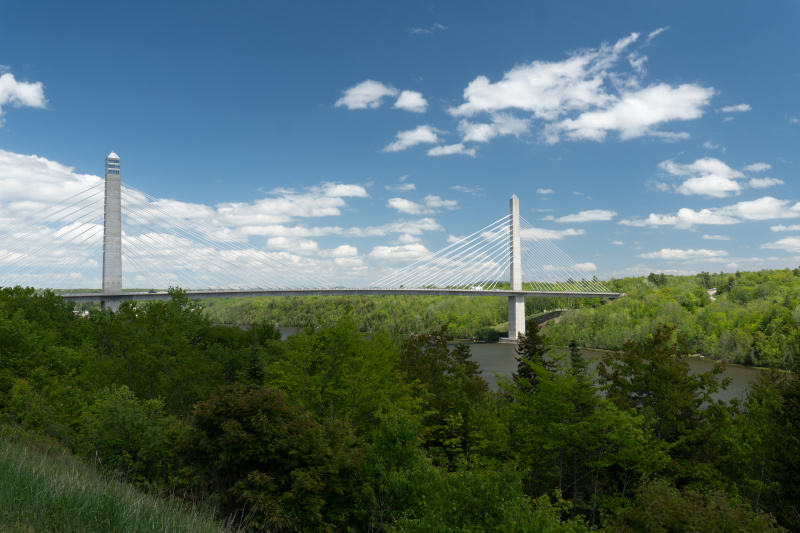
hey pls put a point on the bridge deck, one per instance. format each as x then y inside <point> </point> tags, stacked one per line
<point>98,296</point>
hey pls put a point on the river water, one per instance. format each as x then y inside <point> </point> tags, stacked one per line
<point>500,359</point>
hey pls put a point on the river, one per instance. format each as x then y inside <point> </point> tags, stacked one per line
<point>500,359</point>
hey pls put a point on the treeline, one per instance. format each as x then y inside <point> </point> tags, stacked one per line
<point>334,429</point>
<point>482,317</point>
<point>466,318</point>
<point>748,318</point>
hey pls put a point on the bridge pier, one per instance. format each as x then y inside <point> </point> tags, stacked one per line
<point>516,304</point>
<point>516,318</point>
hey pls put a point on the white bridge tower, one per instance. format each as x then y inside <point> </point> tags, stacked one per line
<point>516,303</point>
<point>112,232</point>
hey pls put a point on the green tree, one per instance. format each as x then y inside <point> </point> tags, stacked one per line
<point>156,350</point>
<point>653,377</point>
<point>456,392</point>
<point>787,474</point>
<point>338,373</point>
<point>531,349</point>
<point>569,438</point>
<point>130,436</point>
<point>661,508</point>
<point>247,448</point>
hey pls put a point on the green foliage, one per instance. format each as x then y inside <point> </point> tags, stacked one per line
<point>395,473</point>
<point>750,319</point>
<point>466,317</point>
<point>477,498</point>
<point>661,508</point>
<point>532,348</point>
<point>571,439</point>
<point>127,435</point>
<point>458,425</point>
<point>405,491</point>
<point>653,377</point>
<point>249,449</point>
<point>345,427</point>
<point>658,280</point>
<point>786,419</point>
<point>156,351</point>
<point>338,373</point>
<point>751,444</point>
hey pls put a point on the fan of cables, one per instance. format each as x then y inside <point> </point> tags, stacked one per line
<point>481,261</point>
<point>163,245</point>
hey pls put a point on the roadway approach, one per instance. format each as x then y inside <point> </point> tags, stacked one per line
<point>120,297</point>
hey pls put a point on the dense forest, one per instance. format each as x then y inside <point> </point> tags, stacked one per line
<point>746,317</point>
<point>343,427</point>
<point>466,318</point>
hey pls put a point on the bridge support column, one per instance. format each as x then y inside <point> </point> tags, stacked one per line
<point>516,304</point>
<point>112,232</point>
<point>516,317</point>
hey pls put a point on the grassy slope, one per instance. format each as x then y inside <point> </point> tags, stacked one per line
<point>55,492</point>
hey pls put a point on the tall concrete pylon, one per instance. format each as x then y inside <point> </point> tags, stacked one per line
<point>112,232</point>
<point>516,304</point>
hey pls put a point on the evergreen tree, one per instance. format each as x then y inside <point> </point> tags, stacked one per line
<point>532,348</point>
<point>254,368</point>
<point>579,364</point>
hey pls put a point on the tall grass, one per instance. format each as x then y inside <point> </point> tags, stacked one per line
<point>55,492</point>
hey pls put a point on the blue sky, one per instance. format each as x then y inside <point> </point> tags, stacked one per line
<point>644,136</point>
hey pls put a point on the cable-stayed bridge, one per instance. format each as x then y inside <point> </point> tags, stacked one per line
<point>112,232</point>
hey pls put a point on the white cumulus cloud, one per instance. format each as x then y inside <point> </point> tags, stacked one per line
<point>684,219</point>
<point>502,124</point>
<point>711,185</point>
<point>781,227</point>
<point>673,254</point>
<point>411,101</point>
<point>738,108</point>
<point>344,190</point>
<point>404,252</point>
<point>20,93</point>
<point>636,113</point>
<point>546,89</point>
<point>294,245</point>
<point>708,177</point>
<point>757,167</point>
<point>406,139</point>
<point>586,216</point>
<point>763,183</point>
<point>452,149</point>
<point>401,187</point>
<point>789,244</point>
<point>541,234</point>
<point>368,94</point>
<point>583,97</point>
<point>29,182</point>
<point>765,208</point>
<point>429,205</point>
